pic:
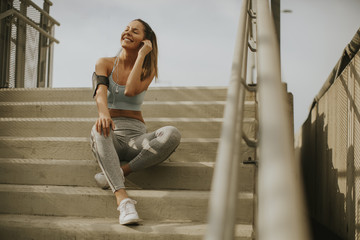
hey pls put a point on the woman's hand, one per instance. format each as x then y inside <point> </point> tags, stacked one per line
<point>146,48</point>
<point>103,124</point>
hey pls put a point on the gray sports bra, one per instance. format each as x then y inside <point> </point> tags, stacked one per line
<point>117,100</point>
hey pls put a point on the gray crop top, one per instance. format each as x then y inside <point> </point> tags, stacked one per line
<point>117,99</point>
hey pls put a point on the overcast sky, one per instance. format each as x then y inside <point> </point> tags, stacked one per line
<point>196,40</point>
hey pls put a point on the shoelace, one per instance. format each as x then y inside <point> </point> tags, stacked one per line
<point>128,208</point>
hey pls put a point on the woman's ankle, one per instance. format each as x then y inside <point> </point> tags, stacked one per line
<point>126,169</point>
<point>120,195</point>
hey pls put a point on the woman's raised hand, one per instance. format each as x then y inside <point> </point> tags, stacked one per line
<point>103,124</point>
<point>146,48</point>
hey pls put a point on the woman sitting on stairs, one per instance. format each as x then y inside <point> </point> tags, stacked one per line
<point>119,134</point>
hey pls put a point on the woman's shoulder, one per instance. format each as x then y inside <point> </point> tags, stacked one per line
<point>104,65</point>
<point>105,61</point>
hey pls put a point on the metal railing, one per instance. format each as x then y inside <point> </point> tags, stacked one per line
<point>26,44</point>
<point>281,207</point>
<point>224,186</point>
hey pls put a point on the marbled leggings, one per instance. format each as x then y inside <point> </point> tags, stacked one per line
<point>130,143</point>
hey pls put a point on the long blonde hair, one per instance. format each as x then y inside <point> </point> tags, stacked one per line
<point>151,60</point>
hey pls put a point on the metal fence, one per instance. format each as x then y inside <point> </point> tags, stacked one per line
<point>328,145</point>
<point>26,44</point>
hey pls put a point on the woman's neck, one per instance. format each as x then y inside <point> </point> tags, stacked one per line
<point>128,57</point>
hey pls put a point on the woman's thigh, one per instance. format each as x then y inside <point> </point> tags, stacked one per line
<point>126,130</point>
<point>155,143</point>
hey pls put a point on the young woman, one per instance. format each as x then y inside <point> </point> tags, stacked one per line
<point>119,134</point>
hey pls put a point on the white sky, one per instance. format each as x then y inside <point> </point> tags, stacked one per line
<point>196,40</point>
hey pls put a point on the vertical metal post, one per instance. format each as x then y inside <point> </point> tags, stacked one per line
<point>250,68</point>
<point>21,48</point>
<point>43,47</point>
<point>49,81</point>
<point>252,38</point>
<point>275,9</point>
<point>5,36</point>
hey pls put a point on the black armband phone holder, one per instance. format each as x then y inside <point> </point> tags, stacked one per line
<point>97,80</point>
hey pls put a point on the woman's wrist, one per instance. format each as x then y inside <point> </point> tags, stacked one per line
<point>141,56</point>
<point>104,114</point>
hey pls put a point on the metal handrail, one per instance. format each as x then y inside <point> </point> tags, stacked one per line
<point>281,204</point>
<point>281,207</point>
<point>224,186</point>
<point>27,21</point>
<point>44,13</point>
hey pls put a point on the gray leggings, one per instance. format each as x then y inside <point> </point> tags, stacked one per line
<point>130,143</point>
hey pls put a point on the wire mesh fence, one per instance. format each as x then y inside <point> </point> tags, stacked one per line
<point>330,155</point>
<point>26,44</point>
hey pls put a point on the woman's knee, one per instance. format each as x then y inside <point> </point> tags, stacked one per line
<point>100,136</point>
<point>97,138</point>
<point>93,133</point>
<point>92,136</point>
<point>174,133</point>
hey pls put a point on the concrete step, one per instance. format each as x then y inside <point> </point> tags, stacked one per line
<point>85,94</point>
<point>168,175</point>
<point>152,205</point>
<point>80,127</point>
<point>78,148</point>
<point>16,227</point>
<point>203,109</point>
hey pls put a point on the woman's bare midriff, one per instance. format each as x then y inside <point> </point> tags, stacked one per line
<point>126,113</point>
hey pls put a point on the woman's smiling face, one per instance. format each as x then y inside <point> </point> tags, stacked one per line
<point>133,35</point>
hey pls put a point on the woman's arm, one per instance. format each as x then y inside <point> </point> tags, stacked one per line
<point>134,85</point>
<point>104,122</point>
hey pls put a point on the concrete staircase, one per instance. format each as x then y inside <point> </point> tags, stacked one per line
<point>47,189</point>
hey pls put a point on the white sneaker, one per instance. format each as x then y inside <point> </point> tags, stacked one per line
<point>128,214</point>
<point>101,179</point>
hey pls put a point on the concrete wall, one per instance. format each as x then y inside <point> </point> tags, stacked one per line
<point>328,146</point>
